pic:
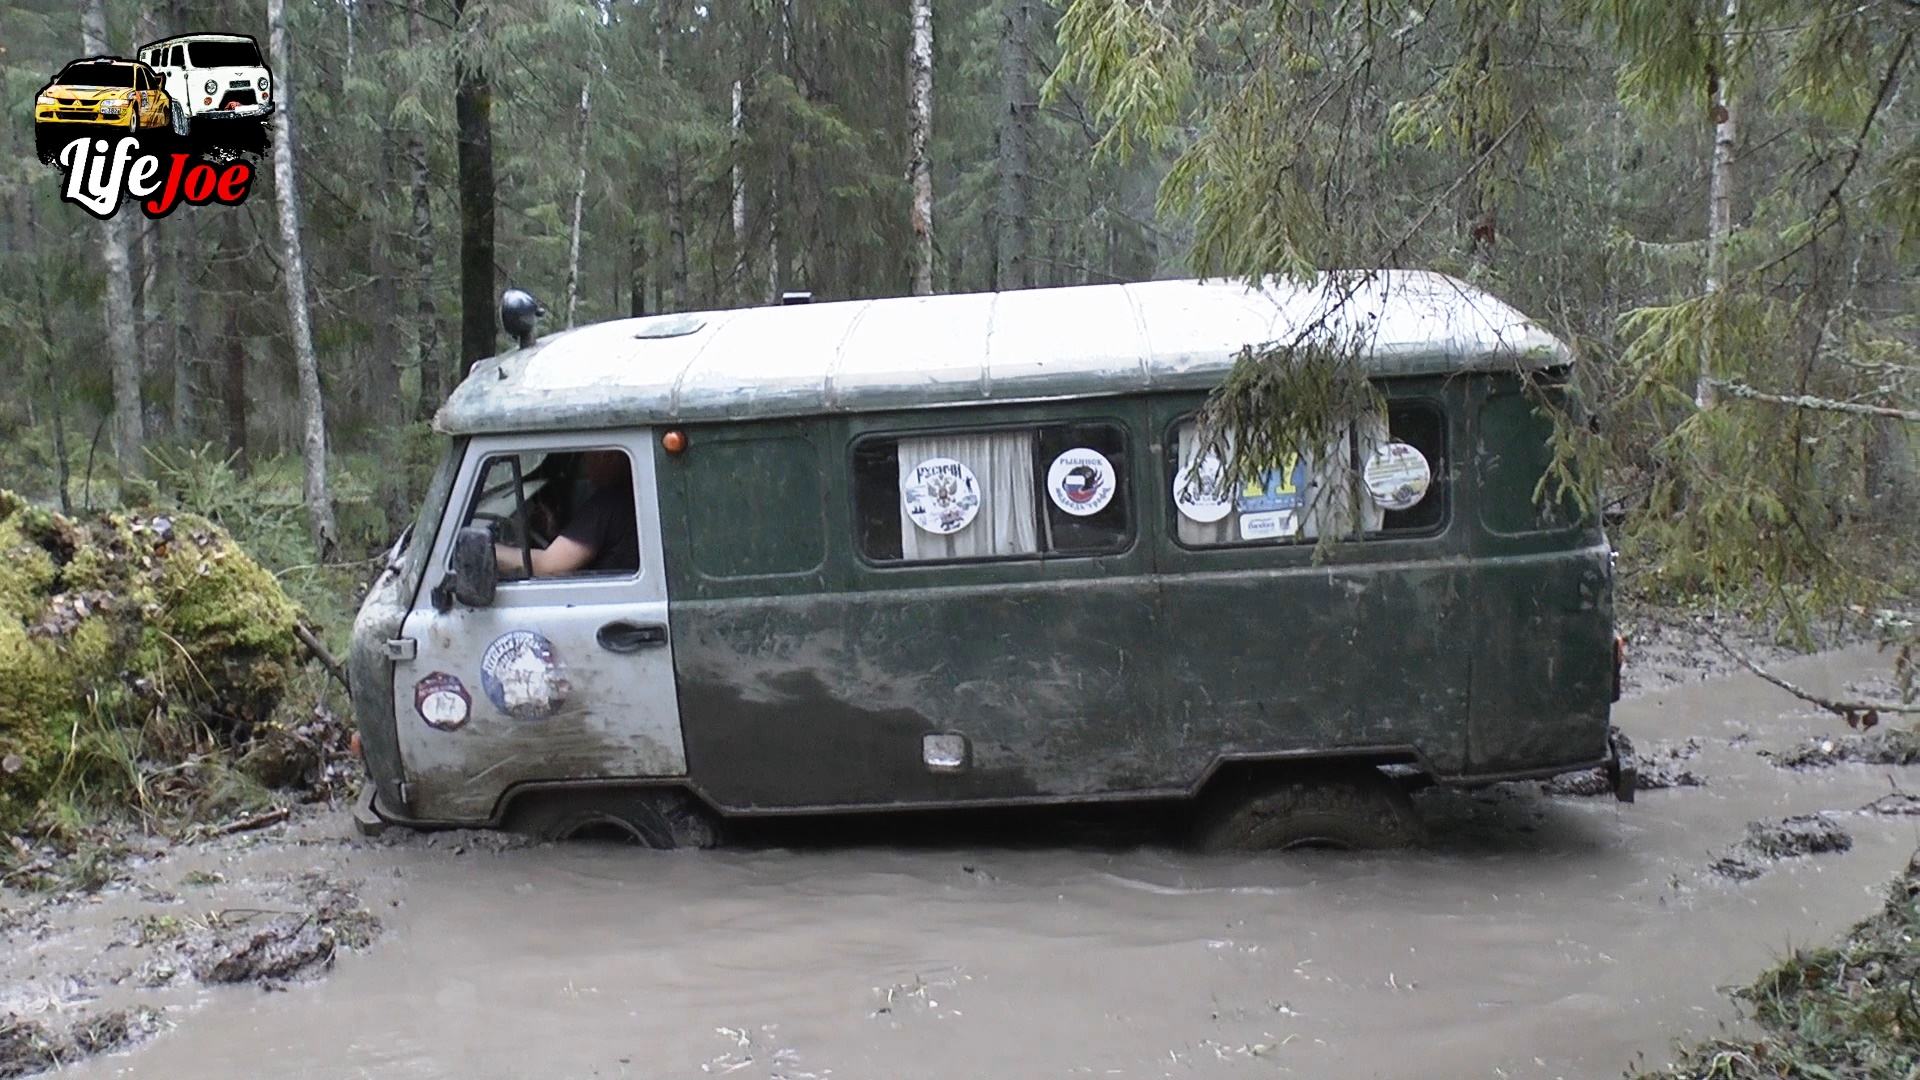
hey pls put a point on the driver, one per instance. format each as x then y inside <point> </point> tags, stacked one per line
<point>603,535</point>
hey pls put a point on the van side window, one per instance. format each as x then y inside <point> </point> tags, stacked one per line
<point>179,56</point>
<point>1057,489</point>
<point>535,497</point>
<point>1372,480</point>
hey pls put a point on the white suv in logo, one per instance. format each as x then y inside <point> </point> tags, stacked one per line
<point>211,77</point>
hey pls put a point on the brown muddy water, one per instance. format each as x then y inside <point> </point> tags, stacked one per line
<point>1536,937</point>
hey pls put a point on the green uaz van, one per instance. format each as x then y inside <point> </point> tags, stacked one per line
<point>966,551</point>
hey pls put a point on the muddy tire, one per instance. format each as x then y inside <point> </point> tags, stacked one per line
<point>1358,809</point>
<point>658,819</point>
<point>182,123</point>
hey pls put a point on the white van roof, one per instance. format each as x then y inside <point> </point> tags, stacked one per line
<point>963,349</point>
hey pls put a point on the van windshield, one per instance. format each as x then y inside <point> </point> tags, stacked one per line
<point>223,54</point>
<point>96,74</point>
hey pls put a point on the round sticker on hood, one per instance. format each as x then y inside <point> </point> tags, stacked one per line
<point>1199,491</point>
<point>941,495</point>
<point>1081,481</point>
<point>1397,475</point>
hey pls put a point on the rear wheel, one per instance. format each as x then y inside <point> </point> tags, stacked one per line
<point>1350,808</point>
<point>658,818</point>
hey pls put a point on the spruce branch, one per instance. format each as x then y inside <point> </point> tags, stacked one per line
<point>1738,389</point>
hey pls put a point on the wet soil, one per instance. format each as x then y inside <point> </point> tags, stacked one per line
<point>1535,936</point>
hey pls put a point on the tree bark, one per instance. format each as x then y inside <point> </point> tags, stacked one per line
<point>313,443</point>
<point>235,389</point>
<point>1719,208</point>
<point>473,116</point>
<point>1015,269</point>
<point>739,174</point>
<point>123,345</point>
<point>664,23</point>
<point>433,370</point>
<point>579,203</point>
<point>919,167</point>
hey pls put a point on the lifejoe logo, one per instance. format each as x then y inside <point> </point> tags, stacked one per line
<point>183,123</point>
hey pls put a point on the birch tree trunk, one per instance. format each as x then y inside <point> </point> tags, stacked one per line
<point>579,203</point>
<point>1015,265</point>
<point>473,115</point>
<point>293,260</point>
<point>1719,207</point>
<point>739,176</point>
<point>783,18</point>
<point>664,23</point>
<point>919,168</point>
<point>433,370</point>
<point>123,345</point>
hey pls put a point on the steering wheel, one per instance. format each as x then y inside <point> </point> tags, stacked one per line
<point>509,529</point>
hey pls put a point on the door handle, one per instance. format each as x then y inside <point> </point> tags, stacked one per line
<point>626,637</point>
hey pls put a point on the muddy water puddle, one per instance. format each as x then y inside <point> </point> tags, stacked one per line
<point>1537,937</point>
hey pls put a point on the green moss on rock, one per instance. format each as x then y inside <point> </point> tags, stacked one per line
<point>127,633</point>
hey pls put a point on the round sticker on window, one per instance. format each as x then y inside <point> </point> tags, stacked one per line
<point>941,495</point>
<point>1081,481</point>
<point>1397,476</point>
<point>1199,492</point>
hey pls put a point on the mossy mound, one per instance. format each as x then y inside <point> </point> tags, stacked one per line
<point>127,640</point>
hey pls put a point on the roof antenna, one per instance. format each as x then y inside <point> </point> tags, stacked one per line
<point>520,313</point>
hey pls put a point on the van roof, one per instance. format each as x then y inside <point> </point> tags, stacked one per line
<point>196,37</point>
<point>964,349</point>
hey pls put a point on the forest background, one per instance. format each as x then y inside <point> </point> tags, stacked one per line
<point>1716,201</point>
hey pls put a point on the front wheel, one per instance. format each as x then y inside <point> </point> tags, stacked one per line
<point>182,123</point>
<point>1350,808</point>
<point>662,819</point>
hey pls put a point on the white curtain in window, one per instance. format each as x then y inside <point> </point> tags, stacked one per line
<point>1003,464</point>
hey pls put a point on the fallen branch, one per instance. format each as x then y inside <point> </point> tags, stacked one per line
<point>1807,401</point>
<point>1855,713</point>
<point>320,653</point>
<point>248,824</point>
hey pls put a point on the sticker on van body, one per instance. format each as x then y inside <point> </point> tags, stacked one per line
<point>1397,476</point>
<point>1198,491</point>
<point>522,676</point>
<point>442,701</point>
<point>1081,481</point>
<point>941,495</point>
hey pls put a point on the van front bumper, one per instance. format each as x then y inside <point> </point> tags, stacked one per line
<point>244,112</point>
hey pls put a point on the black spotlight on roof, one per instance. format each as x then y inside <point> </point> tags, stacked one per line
<point>520,313</point>
<point>796,298</point>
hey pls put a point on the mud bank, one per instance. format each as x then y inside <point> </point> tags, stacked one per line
<point>1843,1010</point>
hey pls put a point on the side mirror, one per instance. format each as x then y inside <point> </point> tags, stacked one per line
<point>474,575</point>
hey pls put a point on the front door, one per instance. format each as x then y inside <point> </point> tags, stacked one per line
<point>567,675</point>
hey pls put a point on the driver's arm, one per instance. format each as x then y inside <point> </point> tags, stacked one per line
<point>564,556</point>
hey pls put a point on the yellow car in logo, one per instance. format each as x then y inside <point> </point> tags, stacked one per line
<point>103,90</point>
